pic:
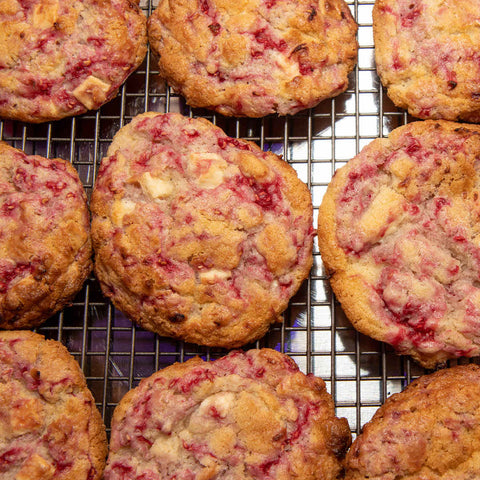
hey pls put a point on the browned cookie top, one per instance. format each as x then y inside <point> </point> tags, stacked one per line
<point>399,232</point>
<point>50,427</point>
<point>45,246</point>
<point>250,415</point>
<point>430,431</point>
<point>64,57</point>
<point>427,56</point>
<point>198,235</point>
<point>254,57</point>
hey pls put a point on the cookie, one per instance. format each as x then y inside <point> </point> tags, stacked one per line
<point>199,236</point>
<point>426,56</point>
<point>45,245</point>
<point>430,431</point>
<point>254,57</point>
<point>399,233</point>
<point>244,416</point>
<point>50,427</point>
<point>63,57</point>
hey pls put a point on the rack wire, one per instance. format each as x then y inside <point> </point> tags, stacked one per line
<point>115,354</point>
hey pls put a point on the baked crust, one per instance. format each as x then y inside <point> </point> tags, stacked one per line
<point>254,57</point>
<point>45,245</point>
<point>430,431</point>
<point>50,427</point>
<point>247,415</point>
<point>426,56</point>
<point>197,235</point>
<point>398,232</point>
<point>63,57</point>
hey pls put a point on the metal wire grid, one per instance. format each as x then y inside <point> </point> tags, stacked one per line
<point>115,355</point>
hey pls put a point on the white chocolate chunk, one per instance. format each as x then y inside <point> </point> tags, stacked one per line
<point>213,178</point>
<point>205,418</point>
<point>214,275</point>
<point>208,168</point>
<point>167,447</point>
<point>120,208</point>
<point>156,187</point>
<point>92,92</point>
<point>287,66</point>
<point>401,167</point>
<point>223,402</point>
<point>383,213</point>
<point>251,166</point>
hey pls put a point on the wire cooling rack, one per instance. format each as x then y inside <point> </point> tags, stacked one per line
<point>115,354</point>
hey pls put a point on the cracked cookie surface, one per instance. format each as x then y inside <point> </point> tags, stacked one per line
<point>45,245</point>
<point>399,233</point>
<point>50,427</point>
<point>248,415</point>
<point>63,57</point>
<point>426,53</point>
<point>430,431</point>
<point>197,235</point>
<point>254,57</point>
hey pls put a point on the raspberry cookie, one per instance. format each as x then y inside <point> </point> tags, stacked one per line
<point>399,232</point>
<point>430,431</point>
<point>64,57</point>
<point>244,416</point>
<point>45,241</point>
<point>197,235</point>
<point>254,57</point>
<point>50,427</point>
<point>426,53</point>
